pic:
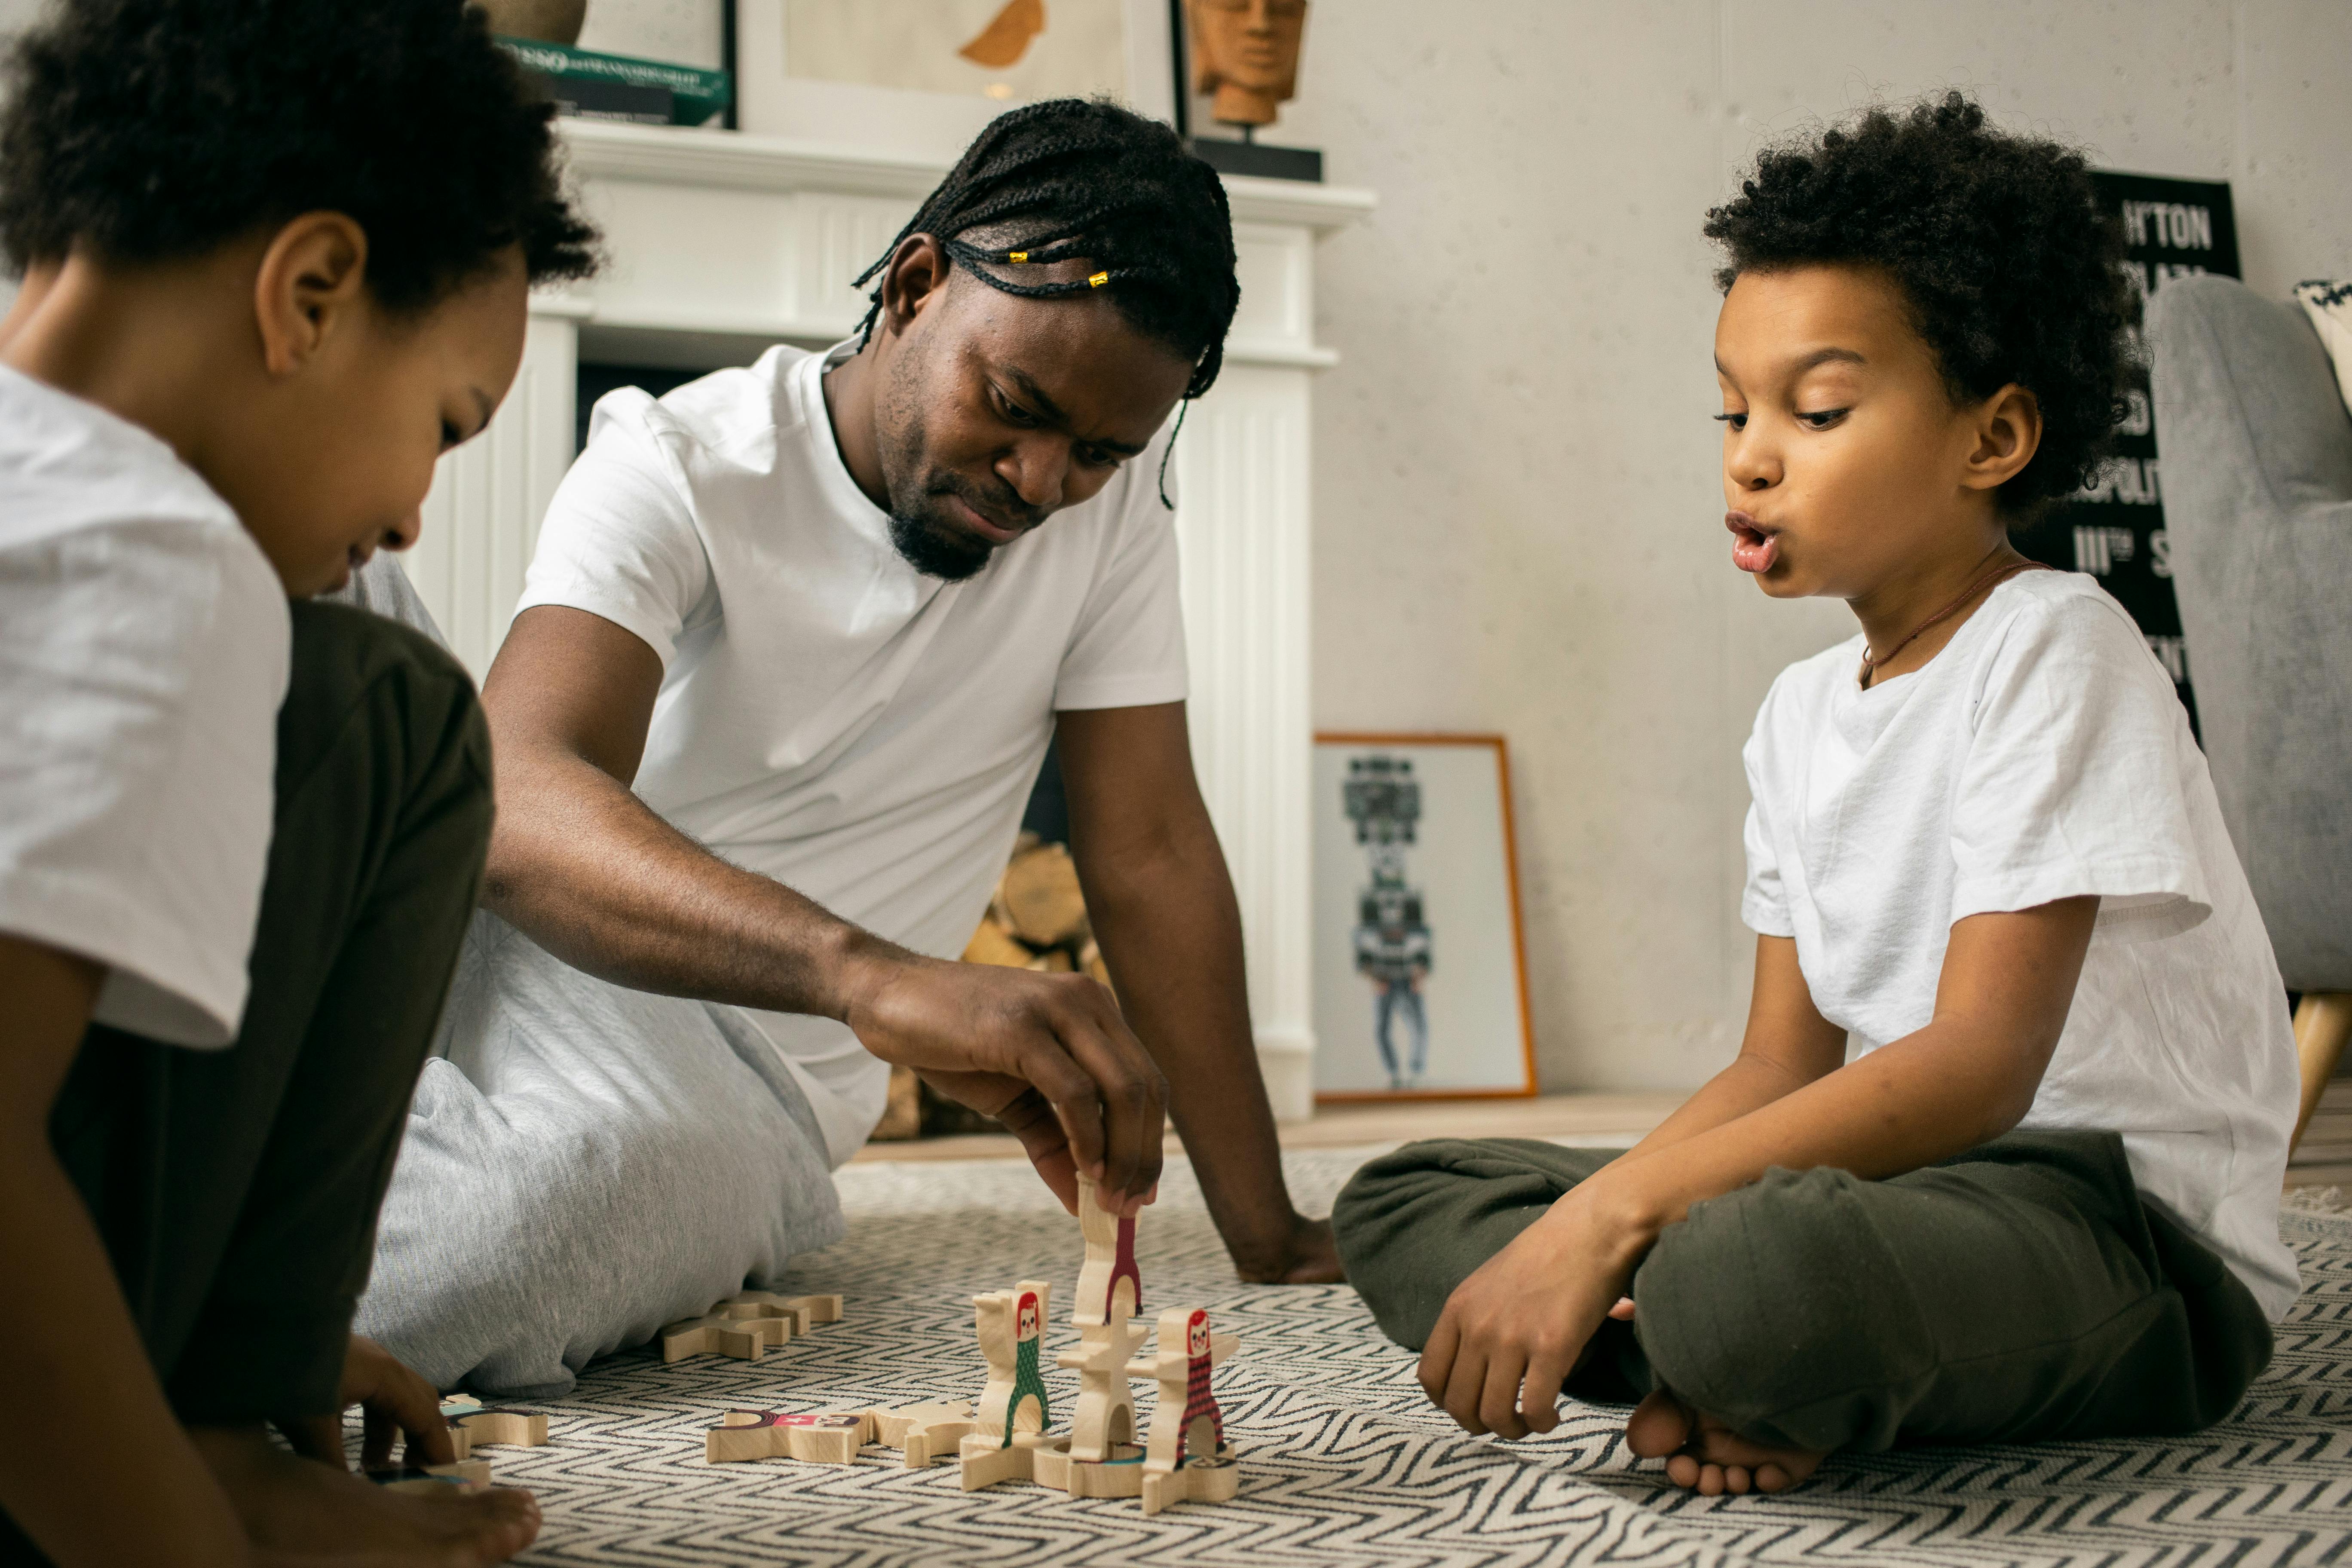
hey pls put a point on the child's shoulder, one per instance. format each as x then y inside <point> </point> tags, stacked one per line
<point>2062,617</point>
<point>67,465</point>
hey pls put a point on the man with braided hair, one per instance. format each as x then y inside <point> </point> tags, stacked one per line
<point>791,651</point>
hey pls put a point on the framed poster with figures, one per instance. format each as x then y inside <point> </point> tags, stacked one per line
<point>1421,988</point>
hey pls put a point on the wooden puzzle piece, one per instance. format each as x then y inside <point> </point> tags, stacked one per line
<point>925,1433</point>
<point>474,1425</point>
<point>1111,1264</point>
<point>1215,1479</point>
<point>1186,1422</point>
<point>826,1439</point>
<point>799,1313</point>
<point>982,1461</point>
<point>1118,1475</point>
<point>1104,1415</point>
<point>1011,1324</point>
<point>743,1338</point>
<point>465,1475</point>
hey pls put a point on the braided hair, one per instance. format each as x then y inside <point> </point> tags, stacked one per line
<point>1073,178</point>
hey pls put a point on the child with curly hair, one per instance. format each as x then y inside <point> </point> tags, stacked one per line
<point>2039,1199</point>
<point>274,261</point>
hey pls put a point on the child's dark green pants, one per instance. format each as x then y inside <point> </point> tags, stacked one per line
<point>2020,1291</point>
<point>237,1190</point>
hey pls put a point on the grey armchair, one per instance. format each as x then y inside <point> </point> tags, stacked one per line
<point>2258,501</point>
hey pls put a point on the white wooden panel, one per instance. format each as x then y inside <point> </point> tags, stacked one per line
<point>481,518</point>
<point>1244,519</point>
<point>696,258</point>
<point>841,236</point>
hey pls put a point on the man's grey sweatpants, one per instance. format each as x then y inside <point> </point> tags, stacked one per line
<point>583,1164</point>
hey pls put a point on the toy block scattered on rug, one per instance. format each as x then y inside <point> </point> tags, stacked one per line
<point>924,1434</point>
<point>747,1324</point>
<point>465,1475</point>
<point>825,1439</point>
<point>473,1424</point>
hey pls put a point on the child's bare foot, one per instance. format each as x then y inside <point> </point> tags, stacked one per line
<point>301,1509</point>
<point>1708,1458</point>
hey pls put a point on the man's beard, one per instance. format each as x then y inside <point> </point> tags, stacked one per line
<point>935,550</point>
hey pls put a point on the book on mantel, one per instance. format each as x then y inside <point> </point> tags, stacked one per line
<point>595,86</point>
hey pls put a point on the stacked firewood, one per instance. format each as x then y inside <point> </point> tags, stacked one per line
<point>1038,919</point>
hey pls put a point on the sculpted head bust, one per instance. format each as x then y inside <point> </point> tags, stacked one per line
<point>1245,52</point>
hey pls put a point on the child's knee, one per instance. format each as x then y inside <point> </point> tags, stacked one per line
<point>1770,1304</point>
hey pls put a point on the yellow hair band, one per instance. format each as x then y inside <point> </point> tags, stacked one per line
<point>1099,279</point>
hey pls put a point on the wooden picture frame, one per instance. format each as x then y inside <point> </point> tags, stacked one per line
<point>1447,1013</point>
<point>927,126</point>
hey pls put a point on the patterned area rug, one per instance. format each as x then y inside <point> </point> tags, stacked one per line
<point>1346,1464</point>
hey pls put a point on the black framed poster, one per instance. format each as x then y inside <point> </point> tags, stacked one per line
<point>2114,528</point>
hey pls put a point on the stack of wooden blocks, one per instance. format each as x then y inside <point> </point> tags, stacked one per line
<point>1036,920</point>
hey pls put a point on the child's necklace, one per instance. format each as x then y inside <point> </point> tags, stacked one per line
<point>1984,580</point>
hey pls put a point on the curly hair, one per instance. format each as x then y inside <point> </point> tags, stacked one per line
<point>1998,242</point>
<point>150,130</point>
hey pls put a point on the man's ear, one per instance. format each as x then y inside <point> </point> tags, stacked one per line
<point>916,278</point>
<point>308,285</point>
<point>2009,431</point>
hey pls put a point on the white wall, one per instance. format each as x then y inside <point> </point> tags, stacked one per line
<point>1517,508</point>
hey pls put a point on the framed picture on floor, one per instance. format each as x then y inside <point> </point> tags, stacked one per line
<point>1421,988</point>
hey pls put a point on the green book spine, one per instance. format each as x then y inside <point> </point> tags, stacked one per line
<point>698,94</point>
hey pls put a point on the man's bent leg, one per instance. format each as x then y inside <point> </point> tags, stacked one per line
<point>237,1189</point>
<point>2018,1292</point>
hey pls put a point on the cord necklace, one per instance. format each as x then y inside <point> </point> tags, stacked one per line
<point>1983,580</point>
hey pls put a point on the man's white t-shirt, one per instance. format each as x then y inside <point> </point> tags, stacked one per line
<point>828,716</point>
<point>144,648</point>
<point>2042,755</point>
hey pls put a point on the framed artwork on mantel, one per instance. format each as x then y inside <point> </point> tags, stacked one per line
<point>918,78</point>
<point>1421,988</point>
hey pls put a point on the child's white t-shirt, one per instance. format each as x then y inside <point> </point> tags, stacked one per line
<point>2042,755</point>
<point>144,648</point>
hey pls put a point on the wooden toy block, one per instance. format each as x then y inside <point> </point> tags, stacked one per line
<point>1186,1420</point>
<point>1011,1324</point>
<point>1109,1265</point>
<point>799,1313</point>
<point>1212,1479</point>
<point>982,1461</point>
<point>472,1475</point>
<point>523,1428</point>
<point>1119,1476</point>
<point>743,1338</point>
<point>926,1433</point>
<point>827,1439</point>
<point>1105,1413</point>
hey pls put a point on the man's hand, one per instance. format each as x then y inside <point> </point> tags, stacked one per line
<point>1311,1257</point>
<point>1047,1055</point>
<point>1513,1332</point>
<point>393,1399</point>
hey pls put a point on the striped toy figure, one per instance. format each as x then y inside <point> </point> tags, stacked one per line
<point>1012,1325</point>
<point>1184,1360</point>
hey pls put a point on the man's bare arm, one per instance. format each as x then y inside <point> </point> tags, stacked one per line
<point>1786,1046</point>
<point>596,876</point>
<point>1163,910</point>
<point>79,1361</point>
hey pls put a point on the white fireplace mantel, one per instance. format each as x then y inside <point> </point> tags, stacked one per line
<point>721,243</point>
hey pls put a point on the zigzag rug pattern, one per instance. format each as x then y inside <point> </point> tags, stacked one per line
<point>1347,1465</point>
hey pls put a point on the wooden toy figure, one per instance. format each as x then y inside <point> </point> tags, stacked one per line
<point>1186,1459</point>
<point>1010,1422</point>
<point>1111,1262</point>
<point>1012,1325</point>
